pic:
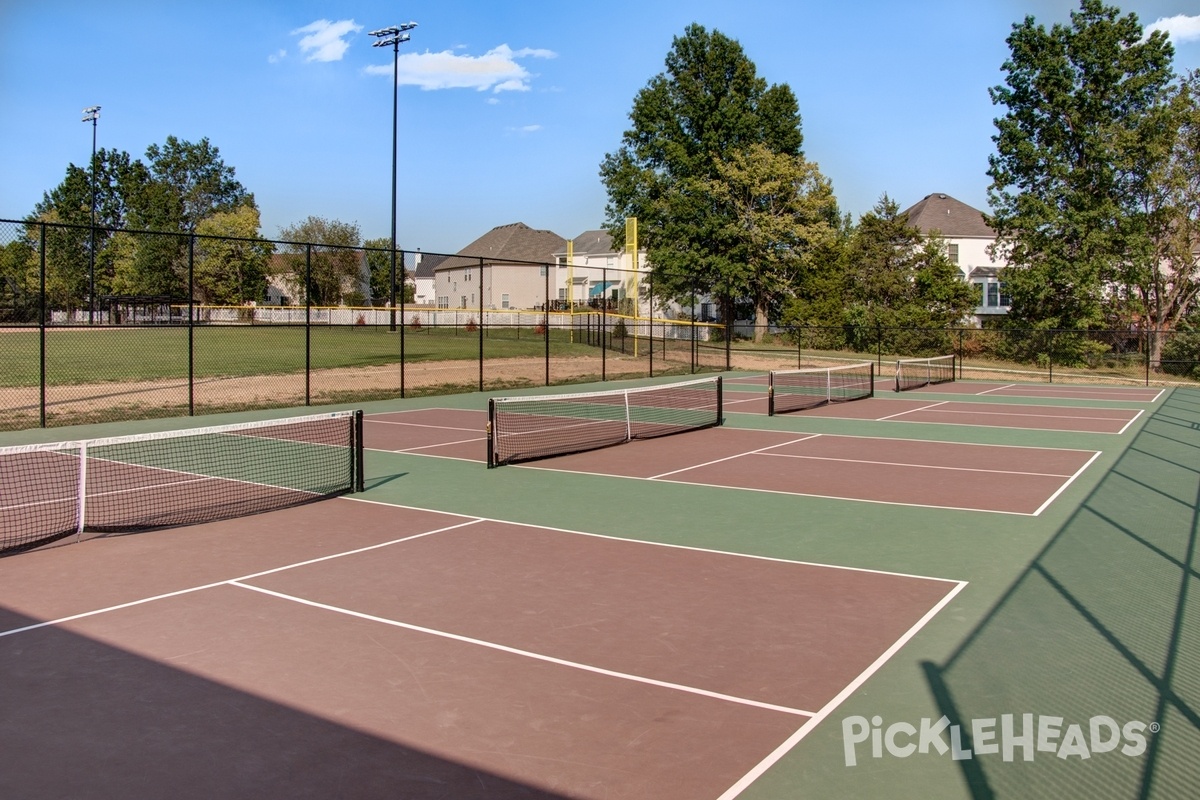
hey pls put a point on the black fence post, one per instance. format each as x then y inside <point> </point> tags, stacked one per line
<point>42,320</point>
<point>546,321</point>
<point>403,284</point>
<point>603,323</point>
<point>307,324</point>
<point>191,325</point>
<point>650,319</point>
<point>480,327</point>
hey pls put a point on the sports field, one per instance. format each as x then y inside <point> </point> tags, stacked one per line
<point>970,590</point>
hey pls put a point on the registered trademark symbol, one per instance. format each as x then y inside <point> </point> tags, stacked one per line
<point>1155,727</point>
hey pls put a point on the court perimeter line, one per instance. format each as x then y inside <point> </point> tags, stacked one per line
<point>1135,419</point>
<point>736,455</point>
<point>562,662</point>
<point>1062,488</point>
<point>793,740</point>
<point>915,466</point>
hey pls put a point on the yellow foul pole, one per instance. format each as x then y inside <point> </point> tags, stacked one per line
<point>631,237</point>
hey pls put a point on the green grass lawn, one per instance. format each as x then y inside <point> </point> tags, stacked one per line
<point>81,355</point>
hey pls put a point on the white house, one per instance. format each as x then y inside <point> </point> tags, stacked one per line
<point>968,239</point>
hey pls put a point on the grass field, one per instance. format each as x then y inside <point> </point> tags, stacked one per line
<point>75,355</point>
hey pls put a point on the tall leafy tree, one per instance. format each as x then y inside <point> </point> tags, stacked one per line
<point>1066,172</point>
<point>196,184</point>
<point>898,278</point>
<point>231,260</point>
<point>330,269</point>
<point>778,211</point>
<point>708,104</point>
<point>379,264</point>
<point>1169,287</point>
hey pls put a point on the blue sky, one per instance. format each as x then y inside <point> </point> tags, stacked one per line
<point>506,109</point>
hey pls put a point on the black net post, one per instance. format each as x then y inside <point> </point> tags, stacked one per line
<point>491,443</point>
<point>356,450</point>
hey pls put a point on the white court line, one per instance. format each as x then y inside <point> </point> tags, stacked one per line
<point>912,411</point>
<point>215,584</point>
<point>994,389</point>
<point>562,662</point>
<point>1127,424</point>
<point>439,444</point>
<point>735,455</point>
<point>419,425</point>
<point>917,466</point>
<point>998,410</point>
<point>759,769</point>
<point>1063,488</point>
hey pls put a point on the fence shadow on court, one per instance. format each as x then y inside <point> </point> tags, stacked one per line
<point>83,718</point>
<point>1105,622</point>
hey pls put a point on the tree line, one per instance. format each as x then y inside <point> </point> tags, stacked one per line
<point>179,225</point>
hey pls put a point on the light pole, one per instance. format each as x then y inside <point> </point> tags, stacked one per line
<point>395,36</point>
<point>92,114</point>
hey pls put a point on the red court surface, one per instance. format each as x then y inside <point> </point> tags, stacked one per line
<point>909,408</point>
<point>994,478</point>
<point>352,649</point>
<point>1132,394</point>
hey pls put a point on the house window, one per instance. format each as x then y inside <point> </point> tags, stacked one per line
<point>562,294</point>
<point>562,263</point>
<point>467,274</point>
<point>993,294</point>
<point>504,300</point>
<point>542,270</point>
<point>463,304</point>
<point>443,301</point>
<point>953,253</point>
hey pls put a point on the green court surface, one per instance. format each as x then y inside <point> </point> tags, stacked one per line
<point>1068,665</point>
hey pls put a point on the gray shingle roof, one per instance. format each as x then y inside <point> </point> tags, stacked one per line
<point>950,217</point>
<point>513,242</point>
<point>593,243</point>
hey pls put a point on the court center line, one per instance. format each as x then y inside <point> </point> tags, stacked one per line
<point>995,389</point>
<point>730,458</point>
<point>527,653</point>
<point>759,769</point>
<point>214,584</point>
<point>919,466</point>
<point>419,425</point>
<point>913,410</point>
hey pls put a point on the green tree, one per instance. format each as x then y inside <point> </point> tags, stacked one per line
<point>324,259</point>
<point>379,263</point>
<point>708,104</point>
<point>230,258</point>
<point>1065,175</point>
<point>900,279</point>
<point>1170,284</point>
<point>777,212</point>
<point>197,184</point>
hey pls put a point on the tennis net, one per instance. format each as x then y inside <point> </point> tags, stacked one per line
<point>155,480</point>
<point>527,428</point>
<point>798,389</point>
<point>913,373</point>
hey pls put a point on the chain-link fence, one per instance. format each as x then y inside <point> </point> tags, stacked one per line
<point>113,324</point>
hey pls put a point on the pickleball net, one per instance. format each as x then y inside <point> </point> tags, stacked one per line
<point>799,389</point>
<point>528,428</point>
<point>913,373</point>
<point>156,480</point>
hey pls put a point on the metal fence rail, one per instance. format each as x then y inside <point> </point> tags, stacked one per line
<point>68,358</point>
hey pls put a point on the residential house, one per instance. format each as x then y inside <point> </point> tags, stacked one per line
<point>598,272</point>
<point>510,266</point>
<point>968,238</point>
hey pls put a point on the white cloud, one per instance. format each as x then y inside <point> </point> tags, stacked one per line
<point>1181,28</point>
<point>324,40</point>
<point>277,56</point>
<point>496,70</point>
<point>527,129</point>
